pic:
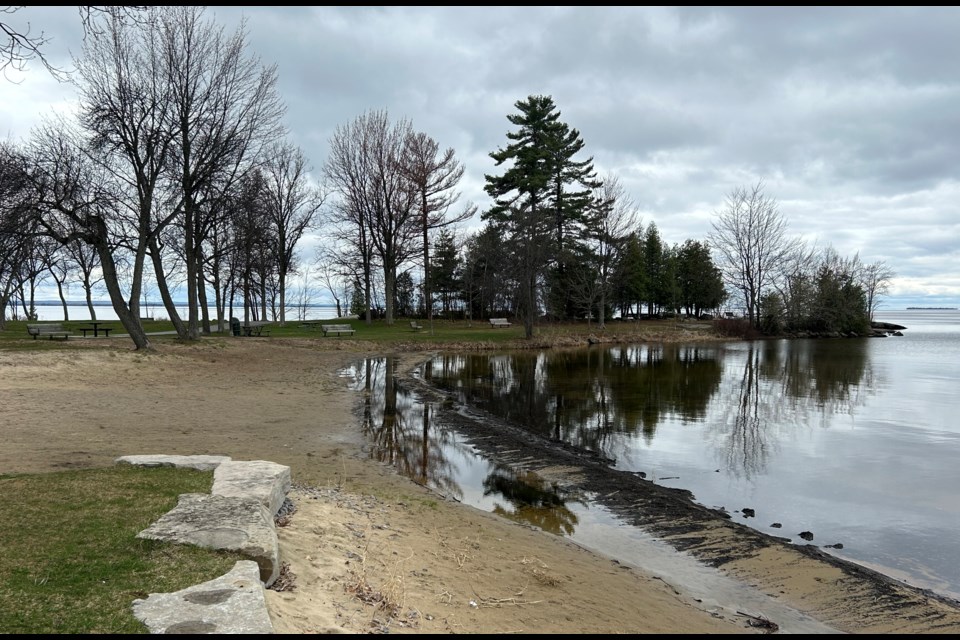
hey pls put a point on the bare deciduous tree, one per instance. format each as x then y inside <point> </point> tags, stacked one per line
<point>751,236</point>
<point>21,45</point>
<point>875,278</point>
<point>14,235</point>
<point>374,216</point>
<point>615,216</point>
<point>292,205</point>
<point>74,201</point>
<point>346,171</point>
<point>225,110</point>
<point>86,264</point>
<point>124,109</point>
<point>433,178</point>
<point>334,278</point>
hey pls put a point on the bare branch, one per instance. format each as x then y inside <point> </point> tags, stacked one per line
<point>20,45</point>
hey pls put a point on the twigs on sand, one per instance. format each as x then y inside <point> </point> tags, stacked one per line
<point>513,601</point>
<point>760,622</point>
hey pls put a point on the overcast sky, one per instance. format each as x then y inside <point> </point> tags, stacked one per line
<point>850,117</point>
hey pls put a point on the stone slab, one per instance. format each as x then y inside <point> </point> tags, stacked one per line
<point>222,522</point>
<point>201,463</point>
<point>266,481</point>
<point>233,603</point>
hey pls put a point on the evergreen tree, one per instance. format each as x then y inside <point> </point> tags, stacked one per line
<point>631,276</point>
<point>358,300</point>
<point>656,272</point>
<point>405,294</point>
<point>445,270</point>
<point>699,281</point>
<point>488,288</point>
<point>536,200</point>
<point>572,206</point>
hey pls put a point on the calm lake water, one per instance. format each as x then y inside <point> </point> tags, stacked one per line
<point>854,440</point>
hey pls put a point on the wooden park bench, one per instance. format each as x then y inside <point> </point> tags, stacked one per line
<point>51,330</point>
<point>416,326</point>
<point>338,329</point>
<point>499,322</point>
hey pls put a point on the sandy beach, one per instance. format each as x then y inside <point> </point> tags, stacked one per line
<point>369,551</point>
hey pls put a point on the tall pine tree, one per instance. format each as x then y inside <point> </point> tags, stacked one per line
<point>541,199</point>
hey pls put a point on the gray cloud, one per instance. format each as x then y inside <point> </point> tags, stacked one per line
<point>847,114</point>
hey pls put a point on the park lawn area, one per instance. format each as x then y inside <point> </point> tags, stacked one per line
<point>453,333</point>
<point>70,561</point>
<point>440,333</point>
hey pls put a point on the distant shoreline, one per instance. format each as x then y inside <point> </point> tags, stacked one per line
<point>931,308</point>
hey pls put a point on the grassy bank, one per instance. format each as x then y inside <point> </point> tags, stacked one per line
<point>70,561</point>
<point>439,333</point>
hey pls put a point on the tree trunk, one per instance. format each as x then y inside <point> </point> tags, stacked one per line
<point>282,275</point>
<point>190,259</point>
<point>129,316</point>
<point>427,295</point>
<point>389,286</point>
<point>63,301</point>
<point>202,299</point>
<point>4,301</point>
<point>367,291</point>
<point>531,297</point>
<point>165,297</point>
<point>218,295</point>
<point>88,291</point>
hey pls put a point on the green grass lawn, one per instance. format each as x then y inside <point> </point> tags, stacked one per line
<point>70,561</point>
<point>439,332</point>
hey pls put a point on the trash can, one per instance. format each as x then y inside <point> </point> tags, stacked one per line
<point>235,326</point>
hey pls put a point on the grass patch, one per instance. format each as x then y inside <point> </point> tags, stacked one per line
<point>440,333</point>
<point>15,336</point>
<point>70,561</point>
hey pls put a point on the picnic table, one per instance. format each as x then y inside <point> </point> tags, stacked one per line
<point>311,324</point>
<point>96,328</point>
<point>254,328</point>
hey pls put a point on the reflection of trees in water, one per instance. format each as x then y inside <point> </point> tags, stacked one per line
<point>842,375</point>
<point>785,385</point>
<point>829,376</point>
<point>532,500</point>
<point>399,427</point>
<point>584,396</point>
<point>650,383</point>
<point>746,443</point>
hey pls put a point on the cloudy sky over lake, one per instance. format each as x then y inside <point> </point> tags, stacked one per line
<point>850,117</point>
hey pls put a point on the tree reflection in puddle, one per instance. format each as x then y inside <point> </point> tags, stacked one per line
<point>532,500</point>
<point>398,425</point>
